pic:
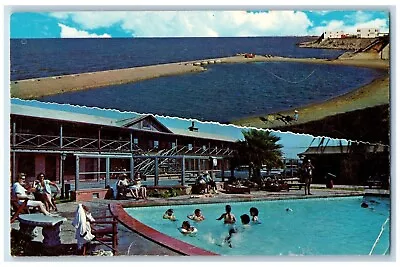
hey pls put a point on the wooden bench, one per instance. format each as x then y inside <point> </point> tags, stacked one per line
<point>232,189</point>
<point>298,186</point>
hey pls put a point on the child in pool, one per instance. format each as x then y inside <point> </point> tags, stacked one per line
<point>254,214</point>
<point>196,216</point>
<point>245,219</point>
<point>186,228</point>
<point>228,217</point>
<point>169,214</point>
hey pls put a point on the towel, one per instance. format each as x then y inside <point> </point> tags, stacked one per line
<point>115,189</point>
<point>81,223</point>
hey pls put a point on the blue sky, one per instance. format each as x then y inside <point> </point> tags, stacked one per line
<point>292,143</point>
<point>112,24</point>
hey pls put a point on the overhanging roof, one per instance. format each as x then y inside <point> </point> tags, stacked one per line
<point>30,111</point>
<point>336,150</point>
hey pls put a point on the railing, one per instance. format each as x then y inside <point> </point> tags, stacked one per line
<point>38,141</point>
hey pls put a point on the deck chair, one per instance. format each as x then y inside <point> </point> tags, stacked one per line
<point>105,230</point>
<point>17,208</point>
<point>89,230</point>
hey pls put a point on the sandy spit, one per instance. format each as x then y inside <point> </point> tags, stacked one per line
<point>39,87</point>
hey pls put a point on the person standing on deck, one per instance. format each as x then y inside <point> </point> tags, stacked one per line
<point>308,173</point>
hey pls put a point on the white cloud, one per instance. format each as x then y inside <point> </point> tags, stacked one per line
<point>69,32</point>
<point>196,23</point>
<point>215,23</point>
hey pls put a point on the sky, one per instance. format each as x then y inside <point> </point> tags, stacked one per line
<point>220,23</point>
<point>292,143</point>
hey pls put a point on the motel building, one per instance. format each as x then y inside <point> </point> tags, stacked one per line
<point>334,34</point>
<point>368,33</point>
<point>84,152</point>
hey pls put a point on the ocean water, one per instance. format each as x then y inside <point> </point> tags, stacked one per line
<point>227,92</point>
<point>32,58</point>
<point>328,226</point>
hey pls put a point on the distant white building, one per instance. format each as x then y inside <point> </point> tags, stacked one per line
<point>367,33</point>
<point>334,34</point>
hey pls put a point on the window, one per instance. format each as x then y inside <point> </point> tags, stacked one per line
<point>146,125</point>
<point>204,148</point>
<point>136,141</point>
<point>173,145</point>
<point>155,143</point>
<point>190,146</point>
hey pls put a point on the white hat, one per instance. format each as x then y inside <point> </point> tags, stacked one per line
<point>295,111</point>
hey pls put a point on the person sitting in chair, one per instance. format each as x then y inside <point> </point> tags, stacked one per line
<point>123,186</point>
<point>137,190</point>
<point>43,191</point>
<point>22,194</point>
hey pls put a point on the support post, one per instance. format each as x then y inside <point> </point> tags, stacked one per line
<point>156,171</point>
<point>98,169</point>
<point>14,141</point>
<point>62,176</point>
<point>132,166</point>
<point>76,173</point>
<point>61,136</point>
<point>183,171</point>
<point>223,170</point>
<point>99,140</point>
<point>130,142</point>
<point>107,180</point>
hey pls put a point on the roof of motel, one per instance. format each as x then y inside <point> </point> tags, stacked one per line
<point>26,110</point>
<point>329,150</point>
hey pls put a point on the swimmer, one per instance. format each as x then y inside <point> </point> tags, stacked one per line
<point>187,229</point>
<point>289,209</point>
<point>228,217</point>
<point>254,214</point>
<point>364,205</point>
<point>245,219</point>
<point>169,214</point>
<point>196,216</point>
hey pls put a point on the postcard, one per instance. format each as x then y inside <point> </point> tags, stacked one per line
<point>197,132</point>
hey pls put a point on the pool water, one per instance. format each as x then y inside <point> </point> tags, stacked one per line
<point>319,226</point>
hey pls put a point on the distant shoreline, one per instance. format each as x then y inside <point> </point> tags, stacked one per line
<point>39,87</point>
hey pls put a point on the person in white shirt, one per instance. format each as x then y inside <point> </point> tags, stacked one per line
<point>21,193</point>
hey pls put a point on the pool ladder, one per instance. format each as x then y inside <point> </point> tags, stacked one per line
<point>378,238</point>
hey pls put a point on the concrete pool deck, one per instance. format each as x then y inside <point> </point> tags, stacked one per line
<point>131,243</point>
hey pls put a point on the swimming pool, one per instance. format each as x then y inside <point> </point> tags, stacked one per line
<point>318,226</point>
